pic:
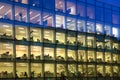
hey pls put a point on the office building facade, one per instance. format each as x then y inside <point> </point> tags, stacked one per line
<point>56,39</point>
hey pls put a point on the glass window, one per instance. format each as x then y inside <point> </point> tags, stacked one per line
<point>35,16</point>
<point>115,58</point>
<point>6,30</point>
<point>90,12</point>
<point>35,34</point>
<point>20,14</point>
<point>108,16</point>
<point>71,38</point>
<point>81,55</point>
<point>100,71</point>
<point>108,71</point>
<point>107,29</point>
<point>22,70</point>
<point>60,54</point>
<point>80,9</point>
<point>22,1</point>
<point>49,70</point>
<point>48,36</point>
<point>82,70</point>
<point>115,18</point>
<point>5,11</point>
<point>60,38</point>
<point>91,70</point>
<point>100,57</point>
<point>21,52</point>
<point>99,28</point>
<point>49,4</point>
<point>90,41</point>
<point>115,71</point>
<point>90,27</point>
<point>71,55</point>
<point>36,53</point>
<point>48,53</point>
<point>36,70</point>
<point>99,13</point>
<point>107,57</point>
<point>81,25</point>
<point>47,19</point>
<point>59,5</point>
<point>71,23</point>
<point>6,51</point>
<point>60,21</point>
<point>99,42</point>
<point>115,46</point>
<point>71,70</point>
<point>6,70</point>
<point>107,44</point>
<point>115,32</point>
<point>21,33</point>
<point>71,7</point>
<point>61,70</point>
<point>91,56</point>
<point>37,3</point>
<point>81,40</point>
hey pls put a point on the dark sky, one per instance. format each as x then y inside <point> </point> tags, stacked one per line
<point>113,2</point>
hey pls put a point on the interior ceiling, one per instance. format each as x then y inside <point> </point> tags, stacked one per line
<point>112,2</point>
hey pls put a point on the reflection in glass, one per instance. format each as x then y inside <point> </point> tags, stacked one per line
<point>59,5</point>
<point>70,23</point>
<point>60,21</point>
<point>71,70</point>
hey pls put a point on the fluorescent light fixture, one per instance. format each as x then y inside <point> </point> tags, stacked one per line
<point>16,14</point>
<point>2,7</point>
<point>22,64</point>
<point>35,30</point>
<point>8,30</point>
<point>34,16</point>
<point>6,26</point>
<point>22,31</point>
<point>6,44</point>
<point>8,11</point>
<point>21,28</point>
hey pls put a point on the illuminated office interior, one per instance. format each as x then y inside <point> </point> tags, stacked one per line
<point>49,39</point>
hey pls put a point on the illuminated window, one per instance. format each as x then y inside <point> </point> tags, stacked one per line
<point>22,70</point>
<point>61,70</point>
<point>82,70</point>
<point>48,36</point>
<point>21,52</point>
<point>47,19</point>
<point>115,58</point>
<point>60,54</point>
<point>60,38</point>
<point>48,53</point>
<point>5,11</point>
<point>6,31</point>
<point>90,27</point>
<point>35,16</point>
<point>49,70</point>
<point>100,71</point>
<point>70,23</point>
<point>81,56</point>
<point>90,41</point>
<point>59,5</point>
<point>80,40</point>
<point>107,29</point>
<point>107,44</point>
<point>107,57</point>
<point>99,28</point>
<point>115,46</point>
<point>91,56</point>
<point>71,7</point>
<point>108,71</point>
<point>35,34</point>
<point>71,70</point>
<point>6,70</point>
<point>115,71</point>
<point>115,32</point>
<point>21,33</point>
<point>20,14</point>
<point>100,57</point>
<point>36,53</point>
<point>99,42</point>
<point>81,25</point>
<point>91,70</point>
<point>36,70</point>
<point>6,51</point>
<point>22,1</point>
<point>71,38</point>
<point>60,21</point>
<point>71,55</point>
